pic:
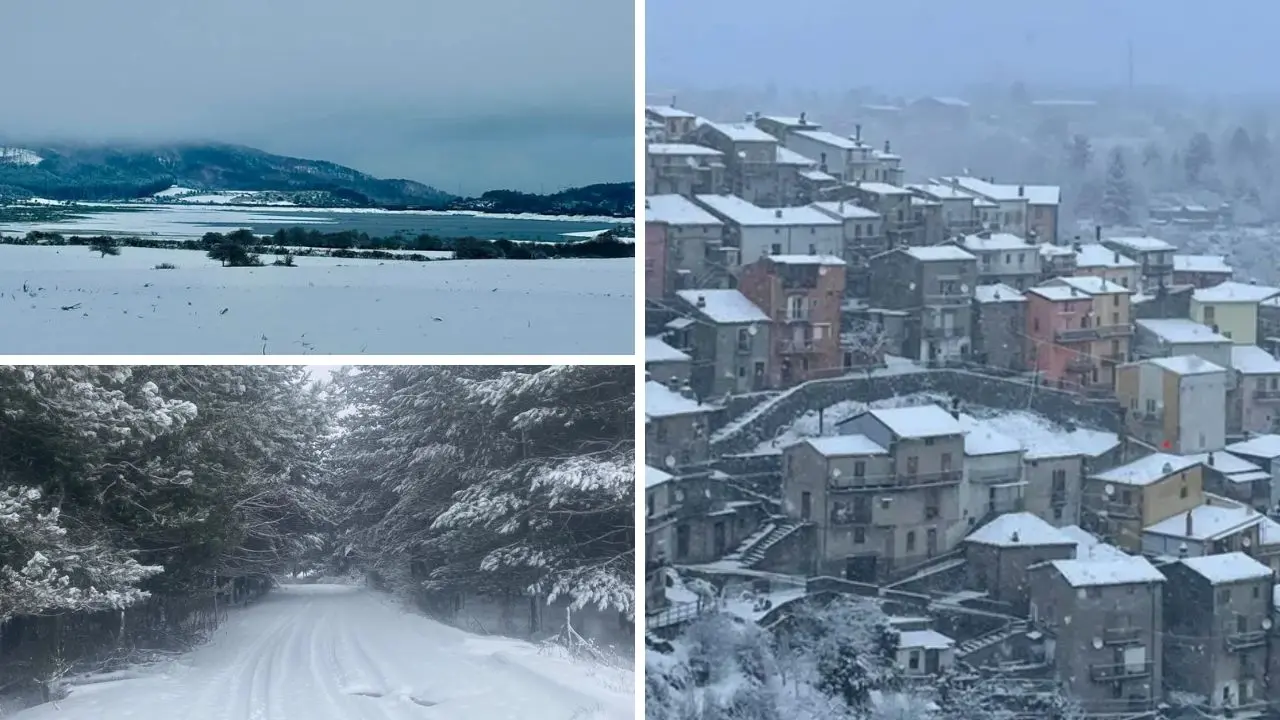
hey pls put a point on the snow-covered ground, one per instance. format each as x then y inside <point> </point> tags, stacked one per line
<point>336,652</point>
<point>122,305</point>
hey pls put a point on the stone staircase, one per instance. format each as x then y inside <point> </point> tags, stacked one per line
<point>756,546</point>
<point>999,635</point>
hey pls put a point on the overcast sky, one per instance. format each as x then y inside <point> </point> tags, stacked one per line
<point>930,46</point>
<point>464,95</point>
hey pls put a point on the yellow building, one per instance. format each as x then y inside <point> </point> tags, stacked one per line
<point>1119,503</point>
<point>1231,309</point>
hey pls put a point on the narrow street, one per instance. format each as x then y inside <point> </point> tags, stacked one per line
<point>333,652</point>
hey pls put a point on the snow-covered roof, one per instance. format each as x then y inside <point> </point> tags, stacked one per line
<point>1181,331</point>
<point>1042,439</point>
<point>1187,365</point>
<point>681,149</point>
<point>1258,476</point>
<point>741,132</point>
<point>1201,264</point>
<point>1020,529</point>
<point>1147,470</point>
<point>657,350</point>
<point>922,421</point>
<point>654,477</point>
<point>845,445</point>
<point>1262,446</point>
<point>743,212</point>
<point>1095,573</point>
<point>1269,532</point>
<point>1058,293</point>
<point>661,401</point>
<point>791,157</point>
<point>828,138</point>
<point>806,259</point>
<point>1234,292</point>
<point>945,100</point>
<point>1141,244</point>
<point>666,111</point>
<point>924,639</point>
<point>932,253</point>
<point>1208,522</point>
<point>1225,462</point>
<point>1253,360</point>
<point>1091,285</point>
<point>997,292</point>
<point>818,176</point>
<point>879,188</point>
<point>845,210</point>
<point>676,210</point>
<point>995,241</point>
<point>941,191</point>
<point>728,307</point>
<point>1095,255</point>
<point>981,440</point>
<point>1033,194</point>
<point>1051,251</point>
<point>1089,547</point>
<point>1227,568</point>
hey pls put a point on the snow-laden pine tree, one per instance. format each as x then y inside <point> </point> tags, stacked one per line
<point>1117,192</point>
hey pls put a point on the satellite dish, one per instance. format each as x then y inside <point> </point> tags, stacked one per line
<point>1097,643</point>
<point>1082,593</point>
<point>835,472</point>
<point>911,286</point>
<point>822,269</point>
<point>670,461</point>
<point>1246,541</point>
<point>964,287</point>
<point>1109,489</point>
<point>753,330</point>
<point>1266,623</point>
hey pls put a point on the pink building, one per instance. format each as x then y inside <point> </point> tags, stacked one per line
<point>655,260</point>
<point>802,295</point>
<point>1058,337</point>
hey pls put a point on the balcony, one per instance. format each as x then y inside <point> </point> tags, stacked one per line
<point>1097,332</point>
<point>1081,364</point>
<point>1241,642</point>
<point>798,347</point>
<point>1267,396</point>
<point>1116,672</point>
<point>1149,419</point>
<point>939,333</point>
<point>1122,635</point>
<point>881,482</point>
<point>1115,358</point>
<point>1121,510</point>
<point>947,299</point>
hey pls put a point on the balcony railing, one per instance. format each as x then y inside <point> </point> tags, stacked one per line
<point>1121,510</point>
<point>1122,635</point>
<point>1149,419</point>
<point>1081,364</point>
<point>943,332</point>
<point>1115,672</point>
<point>1239,642</point>
<point>799,347</point>
<point>1266,395</point>
<point>895,480</point>
<point>1097,332</point>
<point>953,298</point>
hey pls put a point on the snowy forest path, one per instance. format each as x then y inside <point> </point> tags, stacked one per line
<point>330,652</point>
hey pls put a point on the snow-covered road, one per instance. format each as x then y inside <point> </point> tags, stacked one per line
<point>330,652</point>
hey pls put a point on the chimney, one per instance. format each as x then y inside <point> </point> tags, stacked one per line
<point>1210,459</point>
<point>955,408</point>
<point>1014,537</point>
<point>803,121</point>
<point>1189,527</point>
<point>1022,191</point>
<point>778,213</point>
<point>702,301</point>
<point>857,132</point>
<point>673,384</point>
<point>750,118</point>
<point>1182,547</point>
<point>686,392</point>
<point>648,376</point>
<point>1097,233</point>
<point>646,203</point>
<point>886,147</point>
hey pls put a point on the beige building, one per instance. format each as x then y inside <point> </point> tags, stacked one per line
<point>1119,503</point>
<point>1153,255</point>
<point>1254,400</point>
<point>1178,404</point>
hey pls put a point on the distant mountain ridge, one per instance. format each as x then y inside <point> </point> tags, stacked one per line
<point>97,173</point>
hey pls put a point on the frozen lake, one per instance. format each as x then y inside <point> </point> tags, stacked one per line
<point>68,300</point>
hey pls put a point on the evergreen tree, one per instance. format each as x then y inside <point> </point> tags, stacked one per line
<point>1117,192</point>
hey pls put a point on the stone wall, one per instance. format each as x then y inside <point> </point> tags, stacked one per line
<point>767,420</point>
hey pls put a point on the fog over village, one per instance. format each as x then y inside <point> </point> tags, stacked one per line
<point>962,395</point>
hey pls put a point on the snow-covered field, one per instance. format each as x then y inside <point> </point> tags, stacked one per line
<point>68,300</point>
<point>335,652</point>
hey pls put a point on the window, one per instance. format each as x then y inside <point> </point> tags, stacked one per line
<point>1115,301</point>
<point>1209,314</point>
<point>913,465</point>
<point>682,541</point>
<point>946,462</point>
<point>775,249</point>
<point>813,249</point>
<point>650,500</point>
<point>911,541</point>
<point>806,505</point>
<point>860,468</point>
<point>1035,324</point>
<point>1182,492</point>
<point>795,307</point>
<point>928,441</point>
<point>1057,513</point>
<point>857,230</point>
<point>859,536</point>
<point>913,660</point>
<point>1224,596</point>
<point>1257,592</point>
<point>744,339</point>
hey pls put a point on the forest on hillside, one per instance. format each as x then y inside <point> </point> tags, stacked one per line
<point>138,503</point>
